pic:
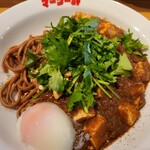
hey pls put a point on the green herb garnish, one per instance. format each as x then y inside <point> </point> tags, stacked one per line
<point>92,59</point>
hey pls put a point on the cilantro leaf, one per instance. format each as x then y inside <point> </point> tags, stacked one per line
<point>87,53</point>
<point>132,45</point>
<point>45,69</point>
<point>87,78</point>
<point>123,67</point>
<point>31,58</point>
<point>93,22</point>
<point>89,100</point>
<point>58,54</point>
<point>56,81</point>
<point>124,62</point>
<point>76,96</point>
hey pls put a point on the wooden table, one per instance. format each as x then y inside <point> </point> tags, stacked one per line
<point>142,6</point>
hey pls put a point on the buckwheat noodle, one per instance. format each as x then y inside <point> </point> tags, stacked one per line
<point>17,92</point>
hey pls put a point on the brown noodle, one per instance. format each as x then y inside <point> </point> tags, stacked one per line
<point>17,92</point>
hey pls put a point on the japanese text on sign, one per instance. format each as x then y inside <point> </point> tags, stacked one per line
<point>46,3</point>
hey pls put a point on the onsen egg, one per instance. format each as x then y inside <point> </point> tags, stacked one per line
<point>45,126</point>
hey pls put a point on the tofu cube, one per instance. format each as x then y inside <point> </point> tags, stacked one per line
<point>80,115</point>
<point>96,127</point>
<point>139,102</point>
<point>137,89</point>
<point>142,71</point>
<point>129,113</point>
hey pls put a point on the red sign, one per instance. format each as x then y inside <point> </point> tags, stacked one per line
<point>46,3</point>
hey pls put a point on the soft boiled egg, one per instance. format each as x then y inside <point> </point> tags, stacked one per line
<point>45,126</point>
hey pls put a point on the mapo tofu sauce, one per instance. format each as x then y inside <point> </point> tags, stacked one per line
<point>110,117</point>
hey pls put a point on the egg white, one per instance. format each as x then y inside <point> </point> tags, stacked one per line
<point>53,132</point>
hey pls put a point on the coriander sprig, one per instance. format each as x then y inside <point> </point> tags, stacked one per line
<point>92,59</point>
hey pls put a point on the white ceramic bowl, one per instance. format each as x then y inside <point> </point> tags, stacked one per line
<point>30,17</point>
